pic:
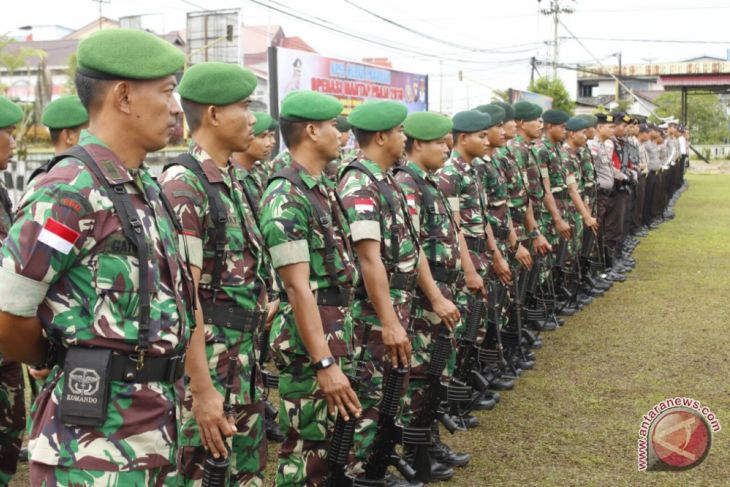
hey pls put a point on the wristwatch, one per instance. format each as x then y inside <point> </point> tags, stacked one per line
<point>324,363</point>
<point>535,233</point>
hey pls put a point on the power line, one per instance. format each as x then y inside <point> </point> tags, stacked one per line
<point>555,10</point>
<point>667,41</point>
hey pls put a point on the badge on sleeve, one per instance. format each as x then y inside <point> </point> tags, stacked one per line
<point>58,236</point>
<point>364,204</point>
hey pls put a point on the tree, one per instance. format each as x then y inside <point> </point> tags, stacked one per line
<point>500,95</point>
<point>706,115</point>
<point>555,89</point>
<point>12,61</point>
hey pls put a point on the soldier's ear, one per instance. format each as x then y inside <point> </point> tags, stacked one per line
<point>119,97</point>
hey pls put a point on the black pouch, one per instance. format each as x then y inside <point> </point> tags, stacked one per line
<point>86,386</point>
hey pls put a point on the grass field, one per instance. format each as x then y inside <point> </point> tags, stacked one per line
<point>574,419</point>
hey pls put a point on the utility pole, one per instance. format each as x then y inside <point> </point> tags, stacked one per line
<point>618,77</point>
<point>555,10</point>
<point>441,86</point>
<point>532,70</point>
<point>100,2</point>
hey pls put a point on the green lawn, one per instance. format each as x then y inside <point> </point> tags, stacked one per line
<point>574,419</point>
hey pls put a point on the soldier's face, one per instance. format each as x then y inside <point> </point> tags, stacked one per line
<point>496,136</point>
<point>619,129</point>
<point>7,146</point>
<point>557,132</point>
<point>434,153</point>
<point>328,139</point>
<point>510,129</point>
<point>344,138</point>
<point>154,110</point>
<point>476,143</point>
<point>395,142</point>
<point>532,128</point>
<point>234,125</point>
<point>605,130</point>
<point>260,147</point>
<point>449,140</point>
<point>579,137</point>
<point>590,133</point>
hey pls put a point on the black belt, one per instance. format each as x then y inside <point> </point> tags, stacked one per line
<point>136,368</point>
<point>405,281</point>
<point>234,317</point>
<point>444,274</point>
<point>477,245</point>
<point>605,192</point>
<point>330,296</point>
<point>561,195</point>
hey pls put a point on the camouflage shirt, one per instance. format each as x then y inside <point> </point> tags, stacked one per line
<point>286,223</point>
<point>553,157</point>
<point>260,173</point>
<point>371,218</point>
<point>6,211</point>
<point>532,172</point>
<point>283,159</point>
<point>462,186</point>
<point>435,223</point>
<point>67,262</point>
<point>495,185</point>
<point>588,172</point>
<point>516,191</point>
<point>243,271</point>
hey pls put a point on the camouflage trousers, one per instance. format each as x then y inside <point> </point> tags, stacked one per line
<point>42,475</point>
<point>425,324</point>
<point>463,296</point>
<point>305,423</point>
<point>248,451</point>
<point>377,365</point>
<point>12,418</point>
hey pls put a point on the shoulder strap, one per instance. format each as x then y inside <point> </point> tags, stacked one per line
<point>252,200</point>
<point>42,169</point>
<point>427,203</point>
<point>218,214</point>
<point>131,227</point>
<point>322,217</point>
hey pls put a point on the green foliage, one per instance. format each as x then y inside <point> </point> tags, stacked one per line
<point>501,95</point>
<point>556,89</point>
<point>71,73</point>
<point>706,115</point>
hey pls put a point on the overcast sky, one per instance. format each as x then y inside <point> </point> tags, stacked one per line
<point>489,41</point>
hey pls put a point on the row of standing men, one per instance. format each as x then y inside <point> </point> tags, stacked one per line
<point>398,286</point>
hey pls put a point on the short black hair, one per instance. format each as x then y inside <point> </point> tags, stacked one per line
<point>409,144</point>
<point>363,137</point>
<point>292,131</point>
<point>56,133</point>
<point>456,134</point>
<point>193,113</point>
<point>89,89</point>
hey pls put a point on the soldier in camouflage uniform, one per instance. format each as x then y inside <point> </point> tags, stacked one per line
<point>334,166</point>
<point>426,152</point>
<point>12,400</point>
<point>306,233</point>
<point>93,280</point>
<point>204,186</point>
<point>388,252</point>
<point>253,163</point>
<point>462,185</point>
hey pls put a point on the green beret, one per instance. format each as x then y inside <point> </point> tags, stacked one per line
<point>376,116</point>
<point>303,106</point>
<point>263,122</point>
<point>509,112</point>
<point>217,84</point>
<point>555,117</point>
<point>65,112</point>
<point>10,113</point>
<point>527,111</point>
<point>127,54</point>
<point>591,120</point>
<point>471,121</point>
<point>496,113</point>
<point>427,126</point>
<point>273,125</point>
<point>342,124</point>
<point>576,123</point>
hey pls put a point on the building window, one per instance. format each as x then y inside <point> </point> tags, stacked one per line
<point>586,90</point>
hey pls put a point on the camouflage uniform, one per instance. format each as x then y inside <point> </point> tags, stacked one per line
<point>370,218</point>
<point>573,165</point>
<point>552,157</point>
<point>259,175</point>
<point>242,287</point>
<point>12,400</point>
<point>283,159</point>
<point>495,185</point>
<point>462,185</point>
<point>287,225</point>
<point>438,235</point>
<point>86,294</point>
<point>515,183</point>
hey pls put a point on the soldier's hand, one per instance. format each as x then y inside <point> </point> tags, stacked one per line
<point>541,245</point>
<point>447,311</point>
<point>338,392</point>
<point>212,422</point>
<point>38,374</point>
<point>563,229</point>
<point>397,344</point>
<point>523,256</point>
<point>273,306</point>
<point>592,223</point>
<point>475,283</point>
<point>501,268</point>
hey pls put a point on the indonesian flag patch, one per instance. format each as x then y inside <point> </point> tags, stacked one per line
<point>411,199</point>
<point>58,236</point>
<point>364,204</point>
